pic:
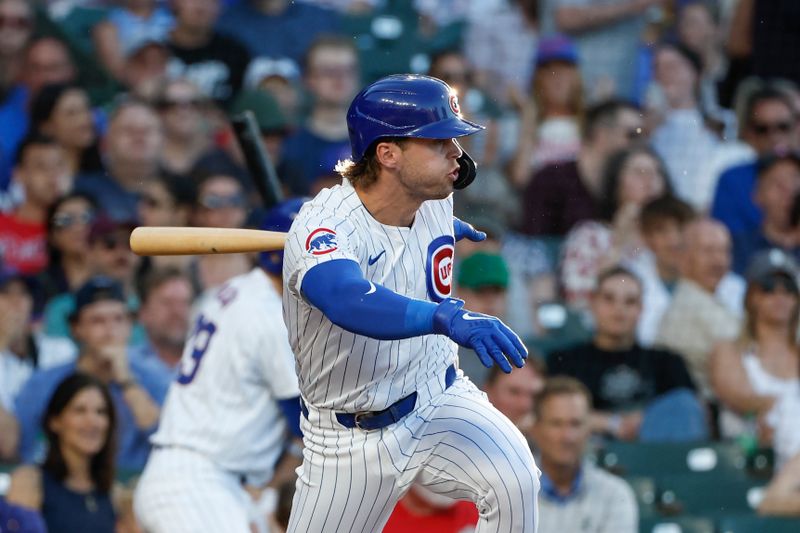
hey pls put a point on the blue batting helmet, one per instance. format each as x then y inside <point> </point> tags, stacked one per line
<point>409,105</point>
<point>279,218</point>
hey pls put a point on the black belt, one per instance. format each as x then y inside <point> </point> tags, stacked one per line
<point>369,420</point>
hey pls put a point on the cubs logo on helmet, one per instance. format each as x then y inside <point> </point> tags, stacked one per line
<point>321,241</point>
<point>439,267</point>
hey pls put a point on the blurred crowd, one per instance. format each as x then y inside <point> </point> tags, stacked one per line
<point>639,180</point>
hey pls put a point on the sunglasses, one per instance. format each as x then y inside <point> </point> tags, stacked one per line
<point>16,23</point>
<point>215,201</point>
<point>771,284</point>
<point>761,128</point>
<point>65,220</point>
<point>192,103</point>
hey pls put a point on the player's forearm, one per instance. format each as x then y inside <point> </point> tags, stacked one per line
<point>577,19</point>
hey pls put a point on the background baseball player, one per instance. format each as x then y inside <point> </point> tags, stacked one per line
<point>224,423</point>
<point>367,275</point>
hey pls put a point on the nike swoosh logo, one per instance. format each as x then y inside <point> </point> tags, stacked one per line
<point>373,260</point>
<point>371,288</point>
<point>467,316</point>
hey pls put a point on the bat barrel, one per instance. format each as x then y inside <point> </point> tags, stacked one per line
<point>198,241</point>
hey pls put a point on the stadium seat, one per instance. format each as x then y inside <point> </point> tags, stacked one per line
<point>706,495</point>
<point>656,459</point>
<point>752,523</point>
<point>644,488</point>
<point>681,524</point>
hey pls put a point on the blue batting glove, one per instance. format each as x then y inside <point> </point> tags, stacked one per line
<point>463,229</point>
<point>493,341</point>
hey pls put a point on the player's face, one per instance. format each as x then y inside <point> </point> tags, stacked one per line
<point>102,324</point>
<point>562,430</point>
<point>428,167</point>
<point>616,306</point>
<point>82,426</point>
<point>512,394</point>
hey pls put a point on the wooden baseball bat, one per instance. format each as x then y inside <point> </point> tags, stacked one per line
<point>196,241</point>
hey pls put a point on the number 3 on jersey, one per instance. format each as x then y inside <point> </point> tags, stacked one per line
<point>199,341</point>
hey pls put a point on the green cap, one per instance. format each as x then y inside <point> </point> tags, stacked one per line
<point>481,270</point>
<point>268,113</point>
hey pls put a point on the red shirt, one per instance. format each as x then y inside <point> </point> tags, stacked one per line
<point>23,245</point>
<point>460,518</point>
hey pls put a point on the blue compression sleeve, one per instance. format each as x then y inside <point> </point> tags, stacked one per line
<point>291,411</point>
<point>339,290</point>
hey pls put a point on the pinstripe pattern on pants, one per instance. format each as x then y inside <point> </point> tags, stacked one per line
<point>457,444</point>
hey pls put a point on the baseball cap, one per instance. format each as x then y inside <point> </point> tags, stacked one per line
<point>269,117</point>
<point>265,67</point>
<point>556,48</point>
<point>481,270</point>
<point>143,42</point>
<point>97,289</point>
<point>103,225</point>
<point>768,263</point>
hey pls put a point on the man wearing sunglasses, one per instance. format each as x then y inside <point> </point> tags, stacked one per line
<point>770,126</point>
<point>41,170</point>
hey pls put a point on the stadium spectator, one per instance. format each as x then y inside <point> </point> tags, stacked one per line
<point>280,78</point>
<point>422,510</point>
<point>47,60</point>
<point>68,223</point>
<point>482,282</point>
<point>625,379</point>
<point>187,132</point>
<point>549,130</point>
<point>275,129</point>
<point>681,137</point>
<point>145,68</point>
<point>575,495</point>
<point>661,224</point>
<point>607,35</point>
<point>166,296</point>
<point>500,43</point>
<point>63,112</point>
<point>562,194</point>
<point>101,325</point>
<point>72,487</point>
<point>331,75</point>
<point>292,27</point>
<point>23,349</point>
<point>214,62</point>
<point>782,496</point>
<point>41,171</point>
<point>631,179</point>
<point>514,394</point>
<point>777,184</point>
<point>221,203</point>
<point>109,254</point>
<point>15,31</point>
<point>126,25</point>
<point>696,319</point>
<point>131,153</point>
<point>754,372</point>
<point>770,125</point>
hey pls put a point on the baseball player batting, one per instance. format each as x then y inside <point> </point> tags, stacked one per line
<point>367,279</point>
<point>224,423</point>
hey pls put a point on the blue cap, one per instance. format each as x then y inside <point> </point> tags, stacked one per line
<point>97,289</point>
<point>556,48</point>
<point>279,218</point>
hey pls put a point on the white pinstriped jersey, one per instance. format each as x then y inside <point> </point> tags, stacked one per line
<point>339,369</point>
<point>235,365</point>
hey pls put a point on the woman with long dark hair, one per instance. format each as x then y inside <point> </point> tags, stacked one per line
<point>72,488</point>
<point>63,111</point>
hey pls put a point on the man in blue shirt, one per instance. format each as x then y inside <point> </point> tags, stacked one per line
<point>771,126</point>
<point>101,324</point>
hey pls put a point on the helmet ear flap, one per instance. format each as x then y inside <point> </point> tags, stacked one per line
<point>467,171</point>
